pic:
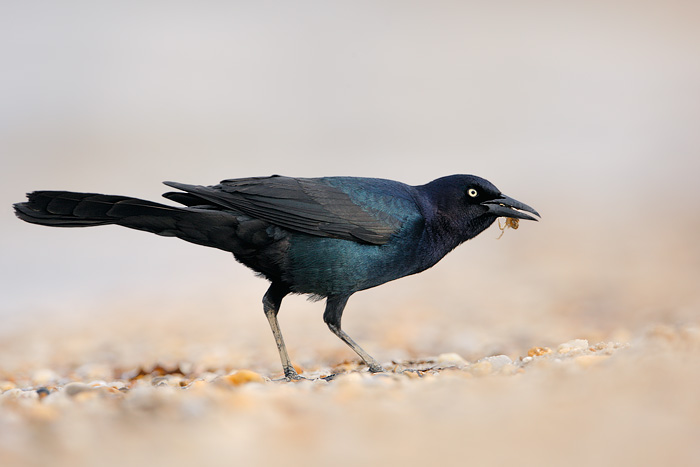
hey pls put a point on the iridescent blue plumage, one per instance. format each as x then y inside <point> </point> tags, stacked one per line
<point>328,237</point>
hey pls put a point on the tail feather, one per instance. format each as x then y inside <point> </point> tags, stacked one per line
<point>70,209</point>
<point>66,209</point>
<point>198,224</point>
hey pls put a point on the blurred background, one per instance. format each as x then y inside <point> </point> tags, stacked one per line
<point>588,111</point>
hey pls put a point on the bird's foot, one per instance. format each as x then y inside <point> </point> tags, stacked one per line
<point>375,367</point>
<point>290,374</point>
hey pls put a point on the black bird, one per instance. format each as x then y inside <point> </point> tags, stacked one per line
<point>329,237</point>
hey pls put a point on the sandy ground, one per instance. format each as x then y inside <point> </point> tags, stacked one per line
<point>575,362</point>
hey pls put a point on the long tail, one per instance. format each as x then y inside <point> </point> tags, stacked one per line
<point>70,209</point>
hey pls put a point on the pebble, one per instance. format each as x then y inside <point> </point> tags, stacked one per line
<point>97,384</point>
<point>208,376</point>
<point>75,388</point>
<point>451,358</point>
<point>44,376</point>
<point>243,377</point>
<point>538,351</point>
<point>176,381</point>
<point>510,369</point>
<point>497,361</point>
<point>42,392</point>
<point>148,398</point>
<point>482,368</point>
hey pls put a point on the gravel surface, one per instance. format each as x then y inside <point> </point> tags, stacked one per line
<point>630,402</point>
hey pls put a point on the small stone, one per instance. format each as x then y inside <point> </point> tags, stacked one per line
<point>175,381</point>
<point>451,358</point>
<point>538,351</point>
<point>147,398</point>
<point>482,368</point>
<point>243,377</point>
<point>44,376</point>
<point>208,376</point>
<point>509,369</point>
<point>497,361</point>
<point>98,384</point>
<point>186,367</point>
<point>75,388</point>
<point>42,392</point>
<point>118,385</point>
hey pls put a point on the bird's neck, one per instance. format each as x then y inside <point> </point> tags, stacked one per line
<point>447,225</point>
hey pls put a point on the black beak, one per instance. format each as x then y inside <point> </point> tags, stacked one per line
<point>505,206</point>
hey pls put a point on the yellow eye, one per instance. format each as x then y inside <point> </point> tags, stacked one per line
<point>472,192</point>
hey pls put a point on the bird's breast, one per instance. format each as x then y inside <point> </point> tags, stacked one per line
<point>327,266</point>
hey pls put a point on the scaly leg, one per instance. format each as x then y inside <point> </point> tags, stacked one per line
<point>271,305</point>
<point>332,316</point>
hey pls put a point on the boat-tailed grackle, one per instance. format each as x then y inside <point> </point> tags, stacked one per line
<point>329,237</point>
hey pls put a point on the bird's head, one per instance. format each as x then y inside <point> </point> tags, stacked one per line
<point>470,204</point>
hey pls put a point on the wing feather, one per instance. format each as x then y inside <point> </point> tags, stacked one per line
<point>312,206</point>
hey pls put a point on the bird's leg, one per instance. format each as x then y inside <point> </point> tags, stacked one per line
<point>271,305</point>
<point>332,316</point>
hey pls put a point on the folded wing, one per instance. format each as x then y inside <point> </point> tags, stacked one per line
<point>311,206</point>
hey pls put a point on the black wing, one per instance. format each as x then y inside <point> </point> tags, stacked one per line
<point>304,205</point>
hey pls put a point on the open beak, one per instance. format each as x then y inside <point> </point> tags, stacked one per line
<point>505,206</point>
